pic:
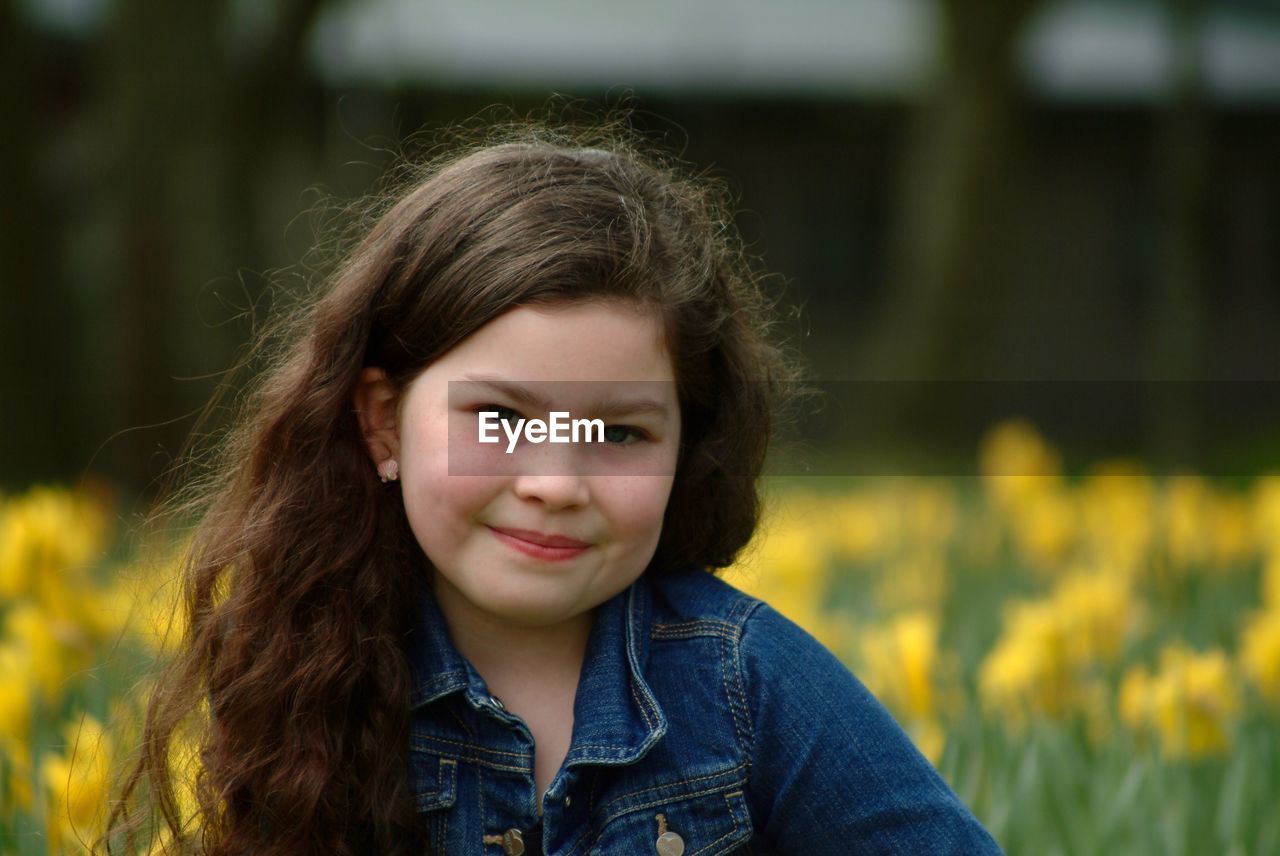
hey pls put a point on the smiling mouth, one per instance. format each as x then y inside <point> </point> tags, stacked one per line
<point>542,539</point>
<point>560,547</point>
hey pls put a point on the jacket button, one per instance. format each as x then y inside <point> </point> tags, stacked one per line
<point>670,844</point>
<point>513,843</point>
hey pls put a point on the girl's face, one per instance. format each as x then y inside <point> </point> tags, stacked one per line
<point>478,511</point>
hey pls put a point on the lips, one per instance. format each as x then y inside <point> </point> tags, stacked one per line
<point>542,539</point>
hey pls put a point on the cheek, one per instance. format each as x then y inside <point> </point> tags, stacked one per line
<point>437,503</point>
<point>451,499</point>
<point>638,505</point>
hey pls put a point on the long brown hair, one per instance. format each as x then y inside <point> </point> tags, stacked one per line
<point>298,580</point>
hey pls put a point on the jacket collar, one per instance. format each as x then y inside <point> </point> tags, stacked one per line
<point>616,717</point>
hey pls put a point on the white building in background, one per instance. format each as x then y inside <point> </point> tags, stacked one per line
<point>1074,49</point>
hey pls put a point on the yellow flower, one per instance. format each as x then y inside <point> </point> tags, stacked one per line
<point>1260,653</point>
<point>861,526</point>
<point>48,537</point>
<point>16,700</point>
<point>156,613</point>
<point>1117,502</point>
<point>1023,476</point>
<point>16,695</point>
<point>786,566</point>
<point>788,550</point>
<point>76,785</point>
<point>184,768</point>
<point>1015,458</point>
<point>903,667</point>
<point>1194,701</point>
<point>1045,524</point>
<point>1135,698</point>
<point>1026,670</point>
<point>1187,509</point>
<point>55,647</point>
<point>1265,505</point>
<point>1045,659</point>
<point>107,611</point>
<point>1098,613</point>
<point>901,663</point>
<point>1271,580</point>
<point>1231,541</point>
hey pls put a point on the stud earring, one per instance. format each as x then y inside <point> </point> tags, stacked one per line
<point>388,470</point>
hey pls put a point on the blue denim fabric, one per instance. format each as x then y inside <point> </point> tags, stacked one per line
<point>695,702</point>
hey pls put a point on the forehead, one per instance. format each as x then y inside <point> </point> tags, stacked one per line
<point>596,341</point>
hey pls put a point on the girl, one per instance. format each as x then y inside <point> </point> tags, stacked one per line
<point>403,639</point>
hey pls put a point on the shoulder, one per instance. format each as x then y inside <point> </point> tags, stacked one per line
<point>779,676</point>
<point>766,645</point>
<point>821,752</point>
<point>688,593</point>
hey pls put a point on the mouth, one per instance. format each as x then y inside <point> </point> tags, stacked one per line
<point>542,539</point>
<point>540,545</point>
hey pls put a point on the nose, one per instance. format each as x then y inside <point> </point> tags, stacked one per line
<point>556,490</point>
<point>552,479</point>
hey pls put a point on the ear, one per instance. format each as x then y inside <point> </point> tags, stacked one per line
<point>375,399</point>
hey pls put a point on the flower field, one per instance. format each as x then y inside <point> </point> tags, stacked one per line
<point>1093,663</point>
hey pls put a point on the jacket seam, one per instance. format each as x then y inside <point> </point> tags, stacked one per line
<point>665,801</point>
<point>419,739</point>
<point>742,713</point>
<point>609,818</point>
<point>717,774</point>
<point>438,686</point>
<point>737,824</point>
<point>474,757</point>
<point>586,830</point>
<point>747,734</point>
<point>470,732</point>
<point>697,627</point>
<point>651,717</point>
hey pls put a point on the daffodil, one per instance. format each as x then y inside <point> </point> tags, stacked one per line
<point>1193,702</point>
<point>17,699</point>
<point>1260,653</point>
<point>1117,506</point>
<point>76,785</point>
<point>48,539</point>
<point>55,647</point>
<point>1046,659</point>
<point>1264,502</point>
<point>1271,580</point>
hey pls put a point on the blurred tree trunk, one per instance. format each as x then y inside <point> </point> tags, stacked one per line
<point>944,230</point>
<point>183,120</point>
<point>1175,346</point>
<point>38,351</point>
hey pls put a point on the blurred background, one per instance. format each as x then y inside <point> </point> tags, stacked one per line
<point>1074,203</point>
<point>1048,191</point>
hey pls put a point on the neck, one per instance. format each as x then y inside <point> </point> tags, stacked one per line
<point>515,659</point>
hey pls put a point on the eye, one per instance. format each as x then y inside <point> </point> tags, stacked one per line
<point>618,435</point>
<point>505,414</point>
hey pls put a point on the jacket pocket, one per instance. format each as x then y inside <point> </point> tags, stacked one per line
<point>435,781</point>
<point>704,824</point>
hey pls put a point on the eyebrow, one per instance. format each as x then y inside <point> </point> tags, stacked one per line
<point>604,407</point>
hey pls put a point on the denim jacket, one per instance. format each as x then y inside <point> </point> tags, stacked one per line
<point>705,723</point>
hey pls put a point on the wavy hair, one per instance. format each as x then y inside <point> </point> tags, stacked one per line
<point>298,580</point>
